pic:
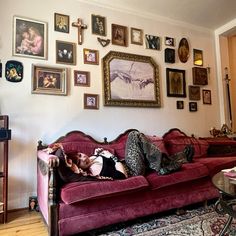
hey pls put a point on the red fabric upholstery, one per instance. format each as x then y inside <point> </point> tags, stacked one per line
<point>188,172</point>
<point>80,191</point>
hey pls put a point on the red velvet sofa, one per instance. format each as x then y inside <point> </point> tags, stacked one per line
<point>77,207</point>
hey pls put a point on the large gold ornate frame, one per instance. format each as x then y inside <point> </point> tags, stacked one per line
<point>114,68</point>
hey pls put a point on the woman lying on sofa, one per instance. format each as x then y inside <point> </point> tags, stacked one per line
<point>141,155</point>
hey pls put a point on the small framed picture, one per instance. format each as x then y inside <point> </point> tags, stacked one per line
<point>192,106</point>
<point>81,78</point>
<point>33,203</point>
<point>200,76</point>
<point>91,56</point>
<point>169,41</point>
<point>14,71</point>
<point>61,23</point>
<point>194,92</point>
<point>206,96</point>
<point>65,52</point>
<point>152,42</point>
<point>197,57</point>
<point>119,35</point>
<point>91,101</point>
<point>98,25</point>
<point>180,104</point>
<point>49,80</point>
<point>136,36</point>
<point>169,55</point>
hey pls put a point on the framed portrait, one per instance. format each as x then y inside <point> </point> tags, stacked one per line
<point>65,52</point>
<point>206,96</point>
<point>91,101</point>
<point>14,71</point>
<point>81,78</point>
<point>175,81</point>
<point>169,41</point>
<point>169,55</point>
<point>197,57</point>
<point>136,36</point>
<point>192,106</point>
<point>29,38</point>
<point>200,76</point>
<point>49,80</point>
<point>119,35</point>
<point>91,56</point>
<point>98,25</point>
<point>152,42</point>
<point>183,50</point>
<point>61,23</point>
<point>180,105</point>
<point>194,92</point>
<point>130,80</point>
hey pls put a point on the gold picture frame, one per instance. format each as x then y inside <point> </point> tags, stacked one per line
<point>119,35</point>
<point>197,57</point>
<point>130,80</point>
<point>91,56</point>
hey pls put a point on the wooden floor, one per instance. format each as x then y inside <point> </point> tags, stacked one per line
<point>24,223</point>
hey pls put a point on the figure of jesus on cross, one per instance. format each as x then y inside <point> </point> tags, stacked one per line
<point>80,27</point>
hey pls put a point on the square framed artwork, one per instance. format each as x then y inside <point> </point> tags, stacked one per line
<point>119,35</point>
<point>91,56</point>
<point>169,41</point>
<point>175,80</point>
<point>194,92</point>
<point>29,38</point>
<point>169,55</point>
<point>49,80</point>
<point>200,76</point>
<point>61,23</point>
<point>65,52</point>
<point>98,25</point>
<point>81,78</point>
<point>192,106</point>
<point>197,57</point>
<point>152,42</point>
<point>91,101</point>
<point>136,36</point>
<point>206,96</point>
<point>180,105</point>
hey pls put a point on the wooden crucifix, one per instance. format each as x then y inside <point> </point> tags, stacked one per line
<point>80,27</point>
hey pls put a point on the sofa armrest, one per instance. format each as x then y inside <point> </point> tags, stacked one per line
<point>47,189</point>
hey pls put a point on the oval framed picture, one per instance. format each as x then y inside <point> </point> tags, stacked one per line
<point>183,50</point>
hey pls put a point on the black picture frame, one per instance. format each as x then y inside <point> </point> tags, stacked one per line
<point>169,55</point>
<point>175,81</point>
<point>61,23</point>
<point>193,106</point>
<point>180,105</point>
<point>98,25</point>
<point>65,52</point>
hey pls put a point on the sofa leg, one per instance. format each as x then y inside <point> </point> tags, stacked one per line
<point>205,204</point>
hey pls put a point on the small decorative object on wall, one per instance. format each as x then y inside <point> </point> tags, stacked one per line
<point>79,24</point>
<point>152,42</point>
<point>119,35</point>
<point>130,80</point>
<point>103,42</point>
<point>194,92</point>
<point>61,23</point>
<point>81,78</point>
<point>197,57</point>
<point>91,101</point>
<point>200,76</point>
<point>169,41</point>
<point>183,50</point>
<point>206,96</point>
<point>98,25</point>
<point>49,80</point>
<point>91,56</point>
<point>175,80</point>
<point>170,55</point>
<point>29,38</point>
<point>136,36</point>
<point>192,106</point>
<point>65,52</point>
<point>180,104</point>
<point>14,71</point>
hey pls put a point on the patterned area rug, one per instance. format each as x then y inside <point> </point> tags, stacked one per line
<point>200,221</point>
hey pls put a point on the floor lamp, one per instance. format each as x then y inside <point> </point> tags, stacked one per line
<point>227,80</point>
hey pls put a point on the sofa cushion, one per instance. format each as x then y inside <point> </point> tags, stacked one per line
<point>178,144</point>
<point>216,164</point>
<point>188,172</point>
<point>80,191</point>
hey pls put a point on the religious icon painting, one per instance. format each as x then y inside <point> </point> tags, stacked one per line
<point>180,105</point>
<point>61,23</point>
<point>14,71</point>
<point>183,50</point>
<point>65,52</point>
<point>98,25</point>
<point>192,106</point>
<point>169,55</point>
<point>194,92</point>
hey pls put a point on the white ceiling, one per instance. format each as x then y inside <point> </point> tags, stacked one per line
<point>209,14</point>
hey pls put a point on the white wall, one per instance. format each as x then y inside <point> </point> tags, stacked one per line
<point>46,117</point>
